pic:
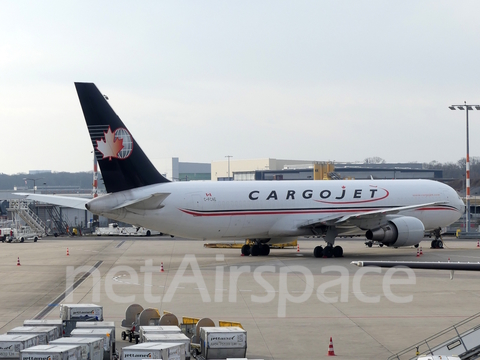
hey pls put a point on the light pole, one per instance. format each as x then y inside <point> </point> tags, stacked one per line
<point>228,156</point>
<point>34,187</point>
<point>467,165</point>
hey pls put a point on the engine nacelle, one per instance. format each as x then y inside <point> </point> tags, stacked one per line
<point>400,231</point>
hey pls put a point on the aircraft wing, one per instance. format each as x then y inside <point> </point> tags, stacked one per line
<point>429,265</point>
<point>357,218</point>
<point>68,201</point>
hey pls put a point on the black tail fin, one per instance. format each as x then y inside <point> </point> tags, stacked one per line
<point>122,162</point>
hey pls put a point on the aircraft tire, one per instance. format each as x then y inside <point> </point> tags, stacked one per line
<point>328,252</point>
<point>22,239</point>
<point>246,250</point>
<point>433,244</point>
<point>318,251</point>
<point>35,239</point>
<point>416,245</point>
<point>255,250</point>
<point>264,250</point>
<point>124,335</point>
<point>370,244</point>
<point>148,234</point>
<point>338,251</point>
<point>439,244</point>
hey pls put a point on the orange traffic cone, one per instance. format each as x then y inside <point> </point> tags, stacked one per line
<point>298,247</point>
<point>161,267</point>
<point>478,243</point>
<point>421,251</point>
<point>68,254</point>
<point>331,352</point>
<point>418,252</point>
<point>18,261</point>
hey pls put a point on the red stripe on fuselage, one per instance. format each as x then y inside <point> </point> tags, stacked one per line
<point>294,212</point>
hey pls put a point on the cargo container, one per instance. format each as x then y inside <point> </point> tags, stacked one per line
<point>170,338</point>
<point>52,352</point>
<point>92,348</point>
<point>106,334</point>
<point>57,323</point>
<point>223,342</point>
<point>46,333</point>
<point>158,329</point>
<point>163,351</point>
<point>11,345</point>
<point>99,325</point>
<point>73,313</point>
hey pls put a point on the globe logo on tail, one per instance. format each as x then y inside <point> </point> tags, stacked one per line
<point>118,144</point>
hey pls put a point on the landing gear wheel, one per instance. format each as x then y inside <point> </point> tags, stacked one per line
<point>35,239</point>
<point>338,251</point>
<point>381,244</point>
<point>370,244</point>
<point>416,246</point>
<point>328,251</point>
<point>124,335</point>
<point>255,250</point>
<point>437,244</point>
<point>264,250</point>
<point>246,250</point>
<point>318,251</point>
<point>22,239</point>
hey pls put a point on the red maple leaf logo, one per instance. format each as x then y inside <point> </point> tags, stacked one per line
<point>110,147</point>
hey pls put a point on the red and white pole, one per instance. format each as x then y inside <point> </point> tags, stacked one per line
<point>467,179</point>
<point>95,176</point>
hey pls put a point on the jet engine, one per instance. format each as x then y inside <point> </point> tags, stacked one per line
<point>399,231</point>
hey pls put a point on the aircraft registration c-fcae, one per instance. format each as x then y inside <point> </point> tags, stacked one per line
<point>393,212</point>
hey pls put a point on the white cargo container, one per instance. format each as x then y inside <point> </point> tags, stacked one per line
<point>223,342</point>
<point>52,352</point>
<point>163,351</point>
<point>46,333</point>
<point>169,338</point>
<point>57,323</point>
<point>158,329</point>
<point>92,348</point>
<point>99,325</point>
<point>106,334</point>
<point>81,312</point>
<point>11,345</point>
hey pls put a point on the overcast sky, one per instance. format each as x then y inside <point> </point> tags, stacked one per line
<point>198,80</point>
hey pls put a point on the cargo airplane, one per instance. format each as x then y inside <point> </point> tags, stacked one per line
<point>393,212</point>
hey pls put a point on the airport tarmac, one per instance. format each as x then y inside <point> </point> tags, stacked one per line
<point>281,300</point>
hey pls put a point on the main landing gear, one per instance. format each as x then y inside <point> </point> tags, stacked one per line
<point>437,243</point>
<point>328,251</point>
<point>256,250</point>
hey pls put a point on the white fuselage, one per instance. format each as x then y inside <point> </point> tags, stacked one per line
<point>275,209</point>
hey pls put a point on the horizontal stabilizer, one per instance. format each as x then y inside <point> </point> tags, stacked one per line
<point>68,201</point>
<point>150,202</point>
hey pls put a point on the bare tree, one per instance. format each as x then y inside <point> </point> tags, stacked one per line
<point>374,160</point>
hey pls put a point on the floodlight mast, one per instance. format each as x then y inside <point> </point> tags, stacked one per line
<point>467,165</point>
